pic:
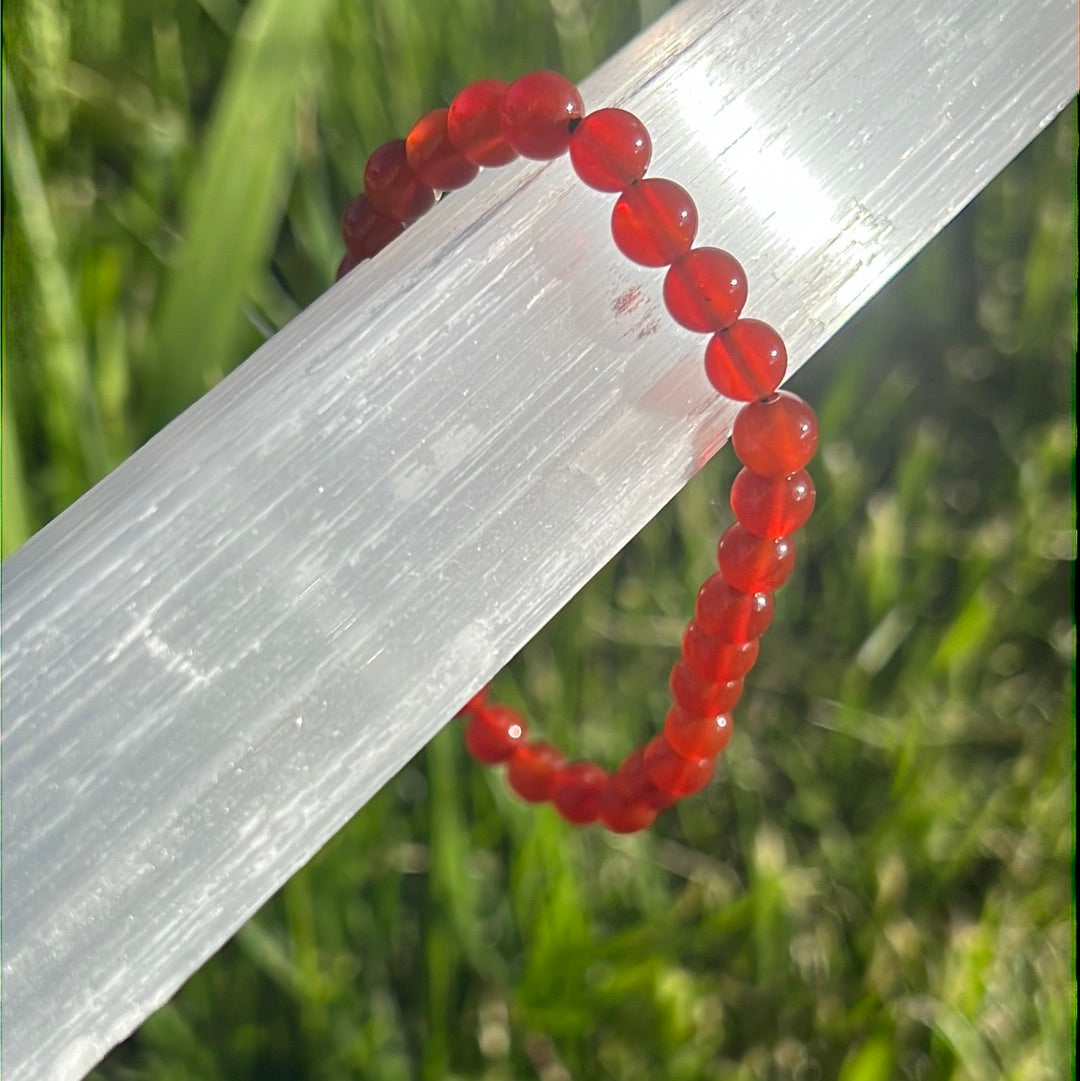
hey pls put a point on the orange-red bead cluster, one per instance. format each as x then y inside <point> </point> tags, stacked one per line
<point>654,223</point>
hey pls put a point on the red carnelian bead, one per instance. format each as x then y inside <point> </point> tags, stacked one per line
<point>492,734</point>
<point>391,187</point>
<point>654,222</point>
<point>473,126</point>
<point>729,615</point>
<point>715,661</point>
<point>775,436</point>
<point>576,790</point>
<point>532,768</point>
<point>610,149</point>
<point>694,736</point>
<point>705,289</point>
<point>701,697</point>
<point>772,506</point>
<point>622,816</point>
<point>365,231</point>
<point>536,113</point>
<point>746,361</point>
<point>630,783</point>
<point>673,774</point>
<point>433,159</point>
<point>755,564</point>
<point>347,263</point>
<point>626,818</point>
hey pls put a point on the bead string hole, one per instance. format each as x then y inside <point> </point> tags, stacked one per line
<point>654,223</point>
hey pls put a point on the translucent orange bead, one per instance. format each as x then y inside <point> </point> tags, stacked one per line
<point>746,361</point>
<point>576,790</point>
<point>729,615</point>
<point>772,506</point>
<point>390,186</point>
<point>699,696</point>
<point>531,770</point>
<point>694,736</point>
<point>365,231</point>
<point>536,114</point>
<point>622,815</point>
<point>654,222</point>
<point>610,149</point>
<point>626,817</point>
<point>433,159</point>
<point>715,661</point>
<point>705,289</point>
<point>775,436</point>
<point>755,564</point>
<point>630,784</point>
<point>473,125</point>
<point>492,734</point>
<point>674,775</point>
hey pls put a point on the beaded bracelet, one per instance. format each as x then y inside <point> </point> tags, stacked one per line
<point>653,223</point>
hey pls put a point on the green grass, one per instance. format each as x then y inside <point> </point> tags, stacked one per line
<point>879,885</point>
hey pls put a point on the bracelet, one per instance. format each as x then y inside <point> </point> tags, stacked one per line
<point>653,223</point>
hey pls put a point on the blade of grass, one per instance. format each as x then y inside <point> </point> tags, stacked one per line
<point>234,200</point>
<point>14,515</point>
<point>75,428</point>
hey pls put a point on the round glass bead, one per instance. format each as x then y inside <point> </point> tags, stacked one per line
<point>775,436</point>
<point>755,564</point>
<point>492,734</point>
<point>390,186</point>
<point>365,231</point>
<point>746,361</point>
<point>772,506</point>
<point>729,615</point>
<point>536,113</point>
<point>630,784</point>
<point>610,149</point>
<point>699,696</point>
<point>695,736</point>
<point>674,775</point>
<point>714,661</point>
<point>433,159</point>
<point>705,290</point>
<point>621,816</point>
<point>654,222</point>
<point>576,790</point>
<point>473,126</point>
<point>531,770</point>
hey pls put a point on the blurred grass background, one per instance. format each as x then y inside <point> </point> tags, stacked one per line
<point>880,883</point>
